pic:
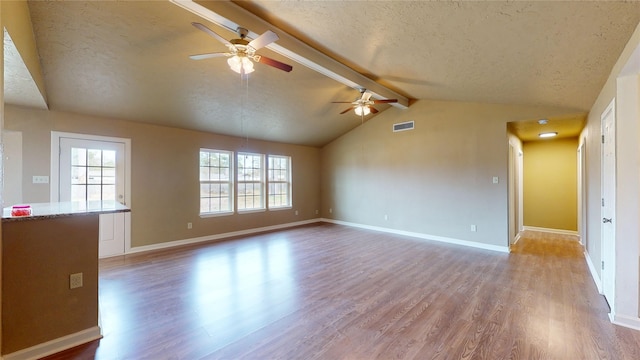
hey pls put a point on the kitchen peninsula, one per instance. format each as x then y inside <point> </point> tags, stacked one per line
<point>50,277</point>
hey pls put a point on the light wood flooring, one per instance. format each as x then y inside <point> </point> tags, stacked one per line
<point>332,292</point>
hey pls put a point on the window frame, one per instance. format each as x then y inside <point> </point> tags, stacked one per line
<point>261,182</point>
<point>287,182</point>
<point>229,182</point>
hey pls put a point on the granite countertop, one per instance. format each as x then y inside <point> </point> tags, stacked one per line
<point>67,208</point>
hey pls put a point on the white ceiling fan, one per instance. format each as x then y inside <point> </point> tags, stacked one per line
<point>363,104</point>
<point>242,53</point>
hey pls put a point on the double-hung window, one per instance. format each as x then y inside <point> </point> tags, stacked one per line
<point>216,182</point>
<point>279,169</point>
<point>250,181</point>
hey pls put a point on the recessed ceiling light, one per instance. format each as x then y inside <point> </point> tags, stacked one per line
<point>547,134</point>
<point>543,121</point>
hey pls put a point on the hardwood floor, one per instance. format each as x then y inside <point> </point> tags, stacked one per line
<point>333,292</point>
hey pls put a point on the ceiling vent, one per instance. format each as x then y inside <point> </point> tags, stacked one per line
<point>404,126</point>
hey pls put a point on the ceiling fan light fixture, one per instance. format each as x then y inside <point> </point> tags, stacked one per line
<point>362,110</point>
<point>238,63</point>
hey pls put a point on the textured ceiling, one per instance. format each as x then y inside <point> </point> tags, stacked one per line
<point>129,60</point>
<point>19,87</point>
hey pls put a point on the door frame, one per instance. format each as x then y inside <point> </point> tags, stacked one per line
<point>55,171</point>
<point>608,247</point>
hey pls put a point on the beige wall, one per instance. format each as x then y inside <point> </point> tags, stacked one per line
<point>551,184</point>
<point>39,255</point>
<point>164,185</point>
<point>434,180</point>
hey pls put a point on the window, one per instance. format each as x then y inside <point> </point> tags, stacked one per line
<point>279,168</point>
<point>216,181</point>
<point>93,174</point>
<point>250,181</point>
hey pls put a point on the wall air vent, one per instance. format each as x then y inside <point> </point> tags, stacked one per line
<point>403,126</point>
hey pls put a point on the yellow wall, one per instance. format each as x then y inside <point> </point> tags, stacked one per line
<point>164,167</point>
<point>550,184</point>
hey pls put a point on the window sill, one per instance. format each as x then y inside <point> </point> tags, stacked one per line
<point>281,208</point>
<point>249,211</point>
<point>210,215</point>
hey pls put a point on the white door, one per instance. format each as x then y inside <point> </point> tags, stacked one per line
<point>94,170</point>
<point>608,121</point>
<point>91,170</point>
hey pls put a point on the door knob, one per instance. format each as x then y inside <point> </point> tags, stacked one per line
<point>605,220</point>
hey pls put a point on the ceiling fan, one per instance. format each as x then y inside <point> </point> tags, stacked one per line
<point>241,51</point>
<point>363,105</point>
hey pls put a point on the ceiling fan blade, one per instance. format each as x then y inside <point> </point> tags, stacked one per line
<point>263,40</point>
<point>275,63</point>
<point>373,110</point>
<point>385,101</point>
<point>207,56</point>
<point>210,32</point>
<point>346,111</point>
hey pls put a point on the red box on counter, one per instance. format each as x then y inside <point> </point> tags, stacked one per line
<point>21,210</point>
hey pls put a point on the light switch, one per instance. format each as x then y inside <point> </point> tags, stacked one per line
<point>40,179</point>
<point>496,180</point>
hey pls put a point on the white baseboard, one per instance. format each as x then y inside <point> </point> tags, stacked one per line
<point>170,244</point>
<point>594,273</point>
<point>626,321</point>
<point>474,244</point>
<point>553,231</point>
<point>56,345</point>
<point>517,238</point>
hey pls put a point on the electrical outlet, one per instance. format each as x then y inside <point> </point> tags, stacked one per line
<point>330,211</point>
<point>296,212</point>
<point>386,217</point>
<point>75,280</point>
<point>189,225</point>
<point>317,212</point>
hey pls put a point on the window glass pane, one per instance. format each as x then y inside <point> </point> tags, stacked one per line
<point>109,176</point>
<point>224,174</point>
<point>205,190</point>
<point>215,173</point>
<point>214,159</point>
<point>94,175</point>
<point>224,160</point>
<point>94,157</point>
<point>204,158</point>
<point>94,192</point>
<point>78,193</point>
<point>78,156</point>
<point>109,158</point>
<point>78,175</point>
<point>225,205</point>
<point>109,192</point>
<point>204,173</point>
<point>204,204</point>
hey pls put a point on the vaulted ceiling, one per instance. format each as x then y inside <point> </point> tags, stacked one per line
<point>130,60</point>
